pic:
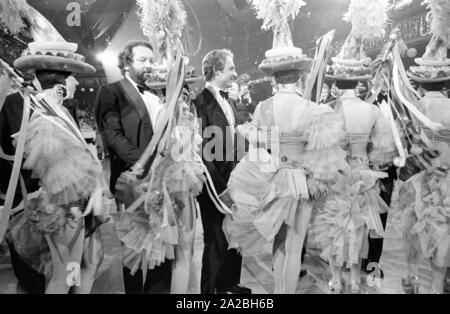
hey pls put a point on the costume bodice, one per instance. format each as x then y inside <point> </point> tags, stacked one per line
<point>360,122</point>
<point>287,117</point>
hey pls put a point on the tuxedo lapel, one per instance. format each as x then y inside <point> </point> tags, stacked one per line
<point>216,111</point>
<point>233,106</point>
<point>134,98</point>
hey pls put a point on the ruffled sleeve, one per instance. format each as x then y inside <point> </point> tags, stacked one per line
<point>383,149</point>
<point>324,156</point>
<point>66,169</point>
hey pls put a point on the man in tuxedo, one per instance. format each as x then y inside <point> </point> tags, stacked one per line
<point>372,262</point>
<point>221,268</point>
<point>126,113</point>
<point>371,265</point>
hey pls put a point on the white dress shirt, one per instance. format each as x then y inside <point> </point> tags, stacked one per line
<point>152,102</point>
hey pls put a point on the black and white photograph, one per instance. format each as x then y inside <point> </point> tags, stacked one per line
<point>240,148</point>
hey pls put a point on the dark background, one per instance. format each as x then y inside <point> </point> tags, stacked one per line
<point>107,24</point>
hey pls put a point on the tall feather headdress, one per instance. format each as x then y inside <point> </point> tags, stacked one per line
<point>434,66</point>
<point>162,21</point>
<point>275,15</point>
<point>18,16</point>
<point>439,16</point>
<point>368,19</point>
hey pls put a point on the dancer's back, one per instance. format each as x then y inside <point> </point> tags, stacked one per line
<point>289,111</point>
<point>359,120</point>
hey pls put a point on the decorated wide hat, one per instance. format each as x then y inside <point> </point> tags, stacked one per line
<point>368,19</point>
<point>158,78</point>
<point>284,55</point>
<point>434,66</point>
<point>54,56</point>
<point>162,22</point>
<point>49,50</point>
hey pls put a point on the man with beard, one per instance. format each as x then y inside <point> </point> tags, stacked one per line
<point>126,112</point>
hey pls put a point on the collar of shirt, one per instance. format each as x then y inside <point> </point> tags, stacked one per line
<point>224,104</point>
<point>152,102</point>
<point>349,93</point>
<point>215,89</point>
<point>136,85</point>
<point>132,82</point>
<point>146,93</point>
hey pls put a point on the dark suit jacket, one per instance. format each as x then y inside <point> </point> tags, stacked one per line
<point>10,121</point>
<point>211,114</point>
<point>125,126</point>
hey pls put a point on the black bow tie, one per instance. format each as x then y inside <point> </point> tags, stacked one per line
<point>143,89</point>
<point>224,94</point>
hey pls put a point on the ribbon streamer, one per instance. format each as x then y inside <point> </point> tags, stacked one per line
<point>17,165</point>
<point>386,108</point>
<point>318,67</point>
<point>411,107</point>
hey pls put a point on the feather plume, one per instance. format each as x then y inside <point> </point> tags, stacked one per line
<point>19,16</point>
<point>40,28</point>
<point>11,14</point>
<point>162,21</point>
<point>440,19</point>
<point>276,12</point>
<point>368,18</point>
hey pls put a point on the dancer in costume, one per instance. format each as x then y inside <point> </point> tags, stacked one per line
<point>425,197</point>
<point>294,150</point>
<point>353,206</point>
<point>52,231</point>
<point>55,229</point>
<point>162,226</point>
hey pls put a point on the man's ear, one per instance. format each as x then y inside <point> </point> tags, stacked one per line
<point>216,72</point>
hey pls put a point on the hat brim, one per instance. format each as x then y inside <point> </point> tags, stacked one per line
<point>270,67</point>
<point>432,63</point>
<point>52,63</point>
<point>348,78</point>
<point>162,84</point>
<point>428,80</point>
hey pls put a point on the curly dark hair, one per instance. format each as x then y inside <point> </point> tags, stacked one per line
<point>126,55</point>
<point>214,61</point>
<point>287,76</point>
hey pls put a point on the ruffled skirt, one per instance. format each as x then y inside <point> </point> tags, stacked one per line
<point>66,169</point>
<point>151,233</point>
<point>425,215</point>
<point>33,248</point>
<point>350,213</point>
<point>264,201</point>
